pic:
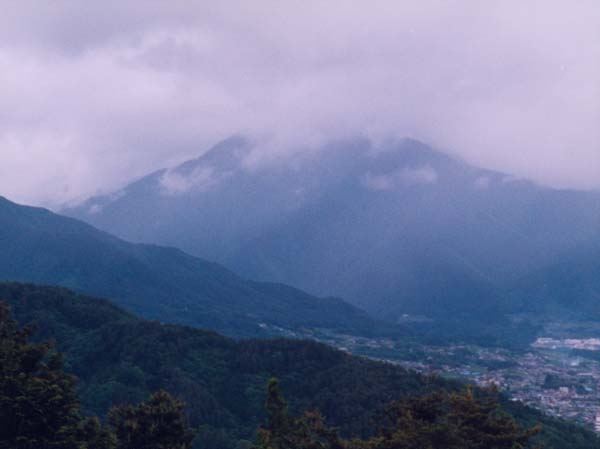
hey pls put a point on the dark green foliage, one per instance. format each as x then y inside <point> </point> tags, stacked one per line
<point>276,406</point>
<point>95,435</point>
<point>38,402</point>
<point>554,382</point>
<point>156,424</point>
<point>122,359</point>
<point>285,431</point>
<point>438,420</point>
<point>39,408</point>
<point>443,420</point>
<point>222,380</point>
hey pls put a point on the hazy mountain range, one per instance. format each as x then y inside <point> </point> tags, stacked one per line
<point>158,282</point>
<point>397,229</point>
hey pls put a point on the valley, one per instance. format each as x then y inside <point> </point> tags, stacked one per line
<point>300,225</point>
<point>558,375</point>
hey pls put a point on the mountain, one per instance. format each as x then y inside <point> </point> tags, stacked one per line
<point>568,287</point>
<point>398,228</point>
<point>118,358</point>
<point>157,282</point>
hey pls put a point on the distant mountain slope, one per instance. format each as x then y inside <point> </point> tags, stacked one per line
<point>118,358</point>
<point>157,282</point>
<point>570,287</point>
<point>398,229</point>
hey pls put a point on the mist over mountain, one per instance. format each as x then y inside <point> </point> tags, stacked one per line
<point>397,228</point>
<point>157,282</point>
<point>510,85</point>
<point>390,210</point>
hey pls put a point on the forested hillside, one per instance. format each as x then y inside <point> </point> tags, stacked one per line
<point>121,358</point>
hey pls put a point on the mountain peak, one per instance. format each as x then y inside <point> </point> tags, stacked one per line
<point>396,227</point>
<point>225,155</point>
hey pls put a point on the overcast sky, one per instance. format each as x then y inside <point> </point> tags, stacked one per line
<point>93,94</point>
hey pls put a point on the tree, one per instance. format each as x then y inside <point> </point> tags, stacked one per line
<point>439,420</point>
<point>284,431</point>
<point>96,435</point>
<point>482,422</point>
<point>39,408</point>
<point>416,423</point>
<point>443,420</point>
<point>159,423</point>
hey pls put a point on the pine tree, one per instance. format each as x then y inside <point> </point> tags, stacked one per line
<point>439,420</point>
<point>284,431</point>
<point>451,421</point>
<point>159,423</point>
<point>39,408</point>
<point>278,431</point>
<point>96,435</point>
<point>481,422</point>
<point>415,423</point>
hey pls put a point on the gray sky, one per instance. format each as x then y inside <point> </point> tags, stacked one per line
<point>93,94</point>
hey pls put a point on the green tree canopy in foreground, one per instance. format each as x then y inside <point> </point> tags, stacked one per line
<point>157,424</point>
<point>439,420</point>
<point>39,407</point>
<point>38,403</point>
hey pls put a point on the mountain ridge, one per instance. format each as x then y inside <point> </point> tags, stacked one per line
<point>157,282</point>
<point>398,229</point>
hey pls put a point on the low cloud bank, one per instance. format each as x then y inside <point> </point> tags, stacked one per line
<point>94,95</point>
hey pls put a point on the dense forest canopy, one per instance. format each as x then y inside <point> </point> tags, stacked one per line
<point>39,409</point>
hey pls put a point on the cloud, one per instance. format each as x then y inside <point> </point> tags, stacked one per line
<point>407,176</point>
<point>201,178</point>
<point>482,183</point>
<point>419,175</point>
<point>95,94</point>
<point>378,182</point>
<point>95,209</point>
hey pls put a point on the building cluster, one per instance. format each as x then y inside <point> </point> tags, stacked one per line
<point>551,380</point>
<point>548,376</point>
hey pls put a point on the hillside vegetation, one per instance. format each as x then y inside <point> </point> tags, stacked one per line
<point>119,358</point>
